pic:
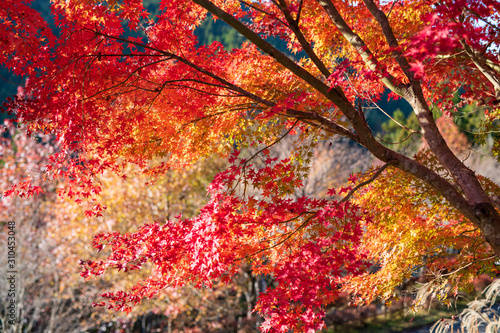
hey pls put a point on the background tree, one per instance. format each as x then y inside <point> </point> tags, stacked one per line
<point>42,301</point>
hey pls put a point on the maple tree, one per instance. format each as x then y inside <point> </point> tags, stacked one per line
<point>117,87</point>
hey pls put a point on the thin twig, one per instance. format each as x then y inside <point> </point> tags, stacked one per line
<point>379,171</point>
<point>392,6</point>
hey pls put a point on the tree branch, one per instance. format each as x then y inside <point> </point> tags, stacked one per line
<point>390,38</point>
<point>483,66</point>
<point>329,124</point>
<point>306,46</point>
<point>360,46</point>
<point>366,182</point>
<point>333,94</point>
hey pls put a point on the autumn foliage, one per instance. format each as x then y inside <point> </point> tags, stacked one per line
<point>117,86</point>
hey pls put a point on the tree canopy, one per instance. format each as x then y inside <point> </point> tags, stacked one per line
<point>119,86</point>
